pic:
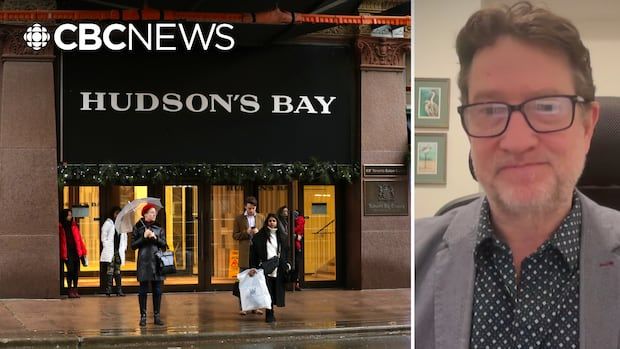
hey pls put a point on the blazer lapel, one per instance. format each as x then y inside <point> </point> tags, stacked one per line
<point>599,300</point>
<point>455,280</point>
<point>243,222</point>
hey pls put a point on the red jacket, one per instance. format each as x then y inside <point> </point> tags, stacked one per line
<point>79,243</point>
<point>299,230</point>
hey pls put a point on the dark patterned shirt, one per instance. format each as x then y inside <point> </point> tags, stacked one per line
<point>542,310</point>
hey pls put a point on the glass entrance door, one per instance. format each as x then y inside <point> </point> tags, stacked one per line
<point>181,216</point>
<point>120,195</point>
<point>84,203</point>
<point>226,204</point>
<point>319,233</point>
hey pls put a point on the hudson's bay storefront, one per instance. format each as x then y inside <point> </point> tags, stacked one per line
<point>314,123</point>
<point>179,114</point>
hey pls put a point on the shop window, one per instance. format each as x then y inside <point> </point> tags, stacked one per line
<point>182,232</point>
<point>319,208</point>
<point>271,198</point>
<point>226,203</point>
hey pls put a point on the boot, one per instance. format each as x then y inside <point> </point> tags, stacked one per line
<point>156,308</point>
<point>119,289</point>
<point>108,288</point>
<point>270,316</point>
<point>75,293</point>
<point>142,301</point>
<point>70,293</point>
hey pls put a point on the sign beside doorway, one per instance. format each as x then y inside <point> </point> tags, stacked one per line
<point>386,198</point>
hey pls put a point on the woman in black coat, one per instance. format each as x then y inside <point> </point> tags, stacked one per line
<point>148,238</point>
<point>267,243</point>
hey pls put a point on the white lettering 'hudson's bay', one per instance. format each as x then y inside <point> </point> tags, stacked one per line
<point>202,103</point>
<point>286,104</point>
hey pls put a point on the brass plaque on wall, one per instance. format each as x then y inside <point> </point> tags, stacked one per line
<point>386,198</point>
<point>388,170</point>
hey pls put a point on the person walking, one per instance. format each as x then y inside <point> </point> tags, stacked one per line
<point>268,243</point>
<point>113,252</point>
<point>148,237</point>
<point>244,229</point>
<point>72,249</point>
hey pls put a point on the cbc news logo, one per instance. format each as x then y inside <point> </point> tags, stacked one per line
<point>36,37</point>
<point>125,36</point>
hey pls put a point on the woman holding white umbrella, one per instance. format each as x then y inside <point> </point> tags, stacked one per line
<point>148,238</point>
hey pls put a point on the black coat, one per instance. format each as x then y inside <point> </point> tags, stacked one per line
<point>258,254</point>
<point>147,262</point>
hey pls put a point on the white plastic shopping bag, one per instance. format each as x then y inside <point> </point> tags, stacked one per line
<point>253,291</point>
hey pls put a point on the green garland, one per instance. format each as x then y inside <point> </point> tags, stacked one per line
<point>143,174</point>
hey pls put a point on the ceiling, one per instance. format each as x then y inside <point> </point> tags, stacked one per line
<point>250,35</point>
<point>306,6</point>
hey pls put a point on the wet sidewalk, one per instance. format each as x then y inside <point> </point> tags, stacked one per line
<point>207,317</point>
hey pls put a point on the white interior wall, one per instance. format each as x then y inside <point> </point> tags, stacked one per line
<point>435,25</point>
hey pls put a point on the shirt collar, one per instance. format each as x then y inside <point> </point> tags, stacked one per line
<point>566,238</point>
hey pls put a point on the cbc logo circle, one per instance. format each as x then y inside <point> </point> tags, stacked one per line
<point>36,37</point>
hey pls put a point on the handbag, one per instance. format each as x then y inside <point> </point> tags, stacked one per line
<point>165,262</point>
<point>270,265</point>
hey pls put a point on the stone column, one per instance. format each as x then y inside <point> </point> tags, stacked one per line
<point>28,187</point>
<point>383,246</point>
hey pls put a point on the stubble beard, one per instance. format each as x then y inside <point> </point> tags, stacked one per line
<point>538,200</point>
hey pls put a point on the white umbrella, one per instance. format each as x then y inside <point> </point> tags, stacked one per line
<point>125,219</point>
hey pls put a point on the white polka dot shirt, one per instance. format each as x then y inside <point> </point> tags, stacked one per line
<point>542,310</point>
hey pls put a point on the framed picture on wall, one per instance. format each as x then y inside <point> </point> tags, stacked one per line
<point>432,98</point>
<point>430,158</point>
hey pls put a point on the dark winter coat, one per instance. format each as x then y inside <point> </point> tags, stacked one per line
<point>147,262</point>
<point>258,254</point>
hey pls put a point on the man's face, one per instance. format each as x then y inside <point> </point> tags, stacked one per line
<point>251,209</point>
<point>522,170</point>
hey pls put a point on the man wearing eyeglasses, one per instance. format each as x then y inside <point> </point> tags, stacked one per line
<point>533,263</point>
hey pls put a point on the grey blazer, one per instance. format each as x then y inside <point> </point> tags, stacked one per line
<point>444,277</point>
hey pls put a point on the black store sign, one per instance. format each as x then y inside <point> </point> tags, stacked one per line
<point>248,105</point>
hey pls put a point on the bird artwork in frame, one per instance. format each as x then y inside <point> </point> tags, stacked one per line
<point>430,158</point>
<point>432,103</point>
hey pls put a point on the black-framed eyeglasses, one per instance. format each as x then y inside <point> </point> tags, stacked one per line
<point>543,114</point>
